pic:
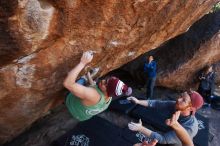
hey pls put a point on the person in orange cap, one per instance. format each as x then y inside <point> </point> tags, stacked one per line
<point>186,104</point>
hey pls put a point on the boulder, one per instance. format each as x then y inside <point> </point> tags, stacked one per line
<point>41,40</point>
<point>180,59</point>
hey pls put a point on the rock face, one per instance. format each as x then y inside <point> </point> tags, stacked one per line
<point>180,59</point>
<point>198,47</point>
<point>41,40</point>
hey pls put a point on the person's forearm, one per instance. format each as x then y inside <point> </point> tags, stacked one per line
<point>91,81</point>
<point>143,103</point>
<point>183,135</point>
<point>72,75</point>
<point>145,131</point>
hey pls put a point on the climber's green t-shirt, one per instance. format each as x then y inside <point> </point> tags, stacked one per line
<point>82,112</point>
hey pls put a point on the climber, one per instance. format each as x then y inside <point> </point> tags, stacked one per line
<point>83,102</point>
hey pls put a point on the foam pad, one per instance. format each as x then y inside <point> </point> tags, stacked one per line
<point>93,132</point>
<point>151,117</point>
<point>134,137</point>
<point>157,120</point>
<point>122,105</point>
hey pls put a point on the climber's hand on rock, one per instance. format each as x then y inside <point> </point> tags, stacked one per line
<point>86,57</point>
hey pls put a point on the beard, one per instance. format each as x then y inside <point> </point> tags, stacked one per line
<point>180,108</point>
